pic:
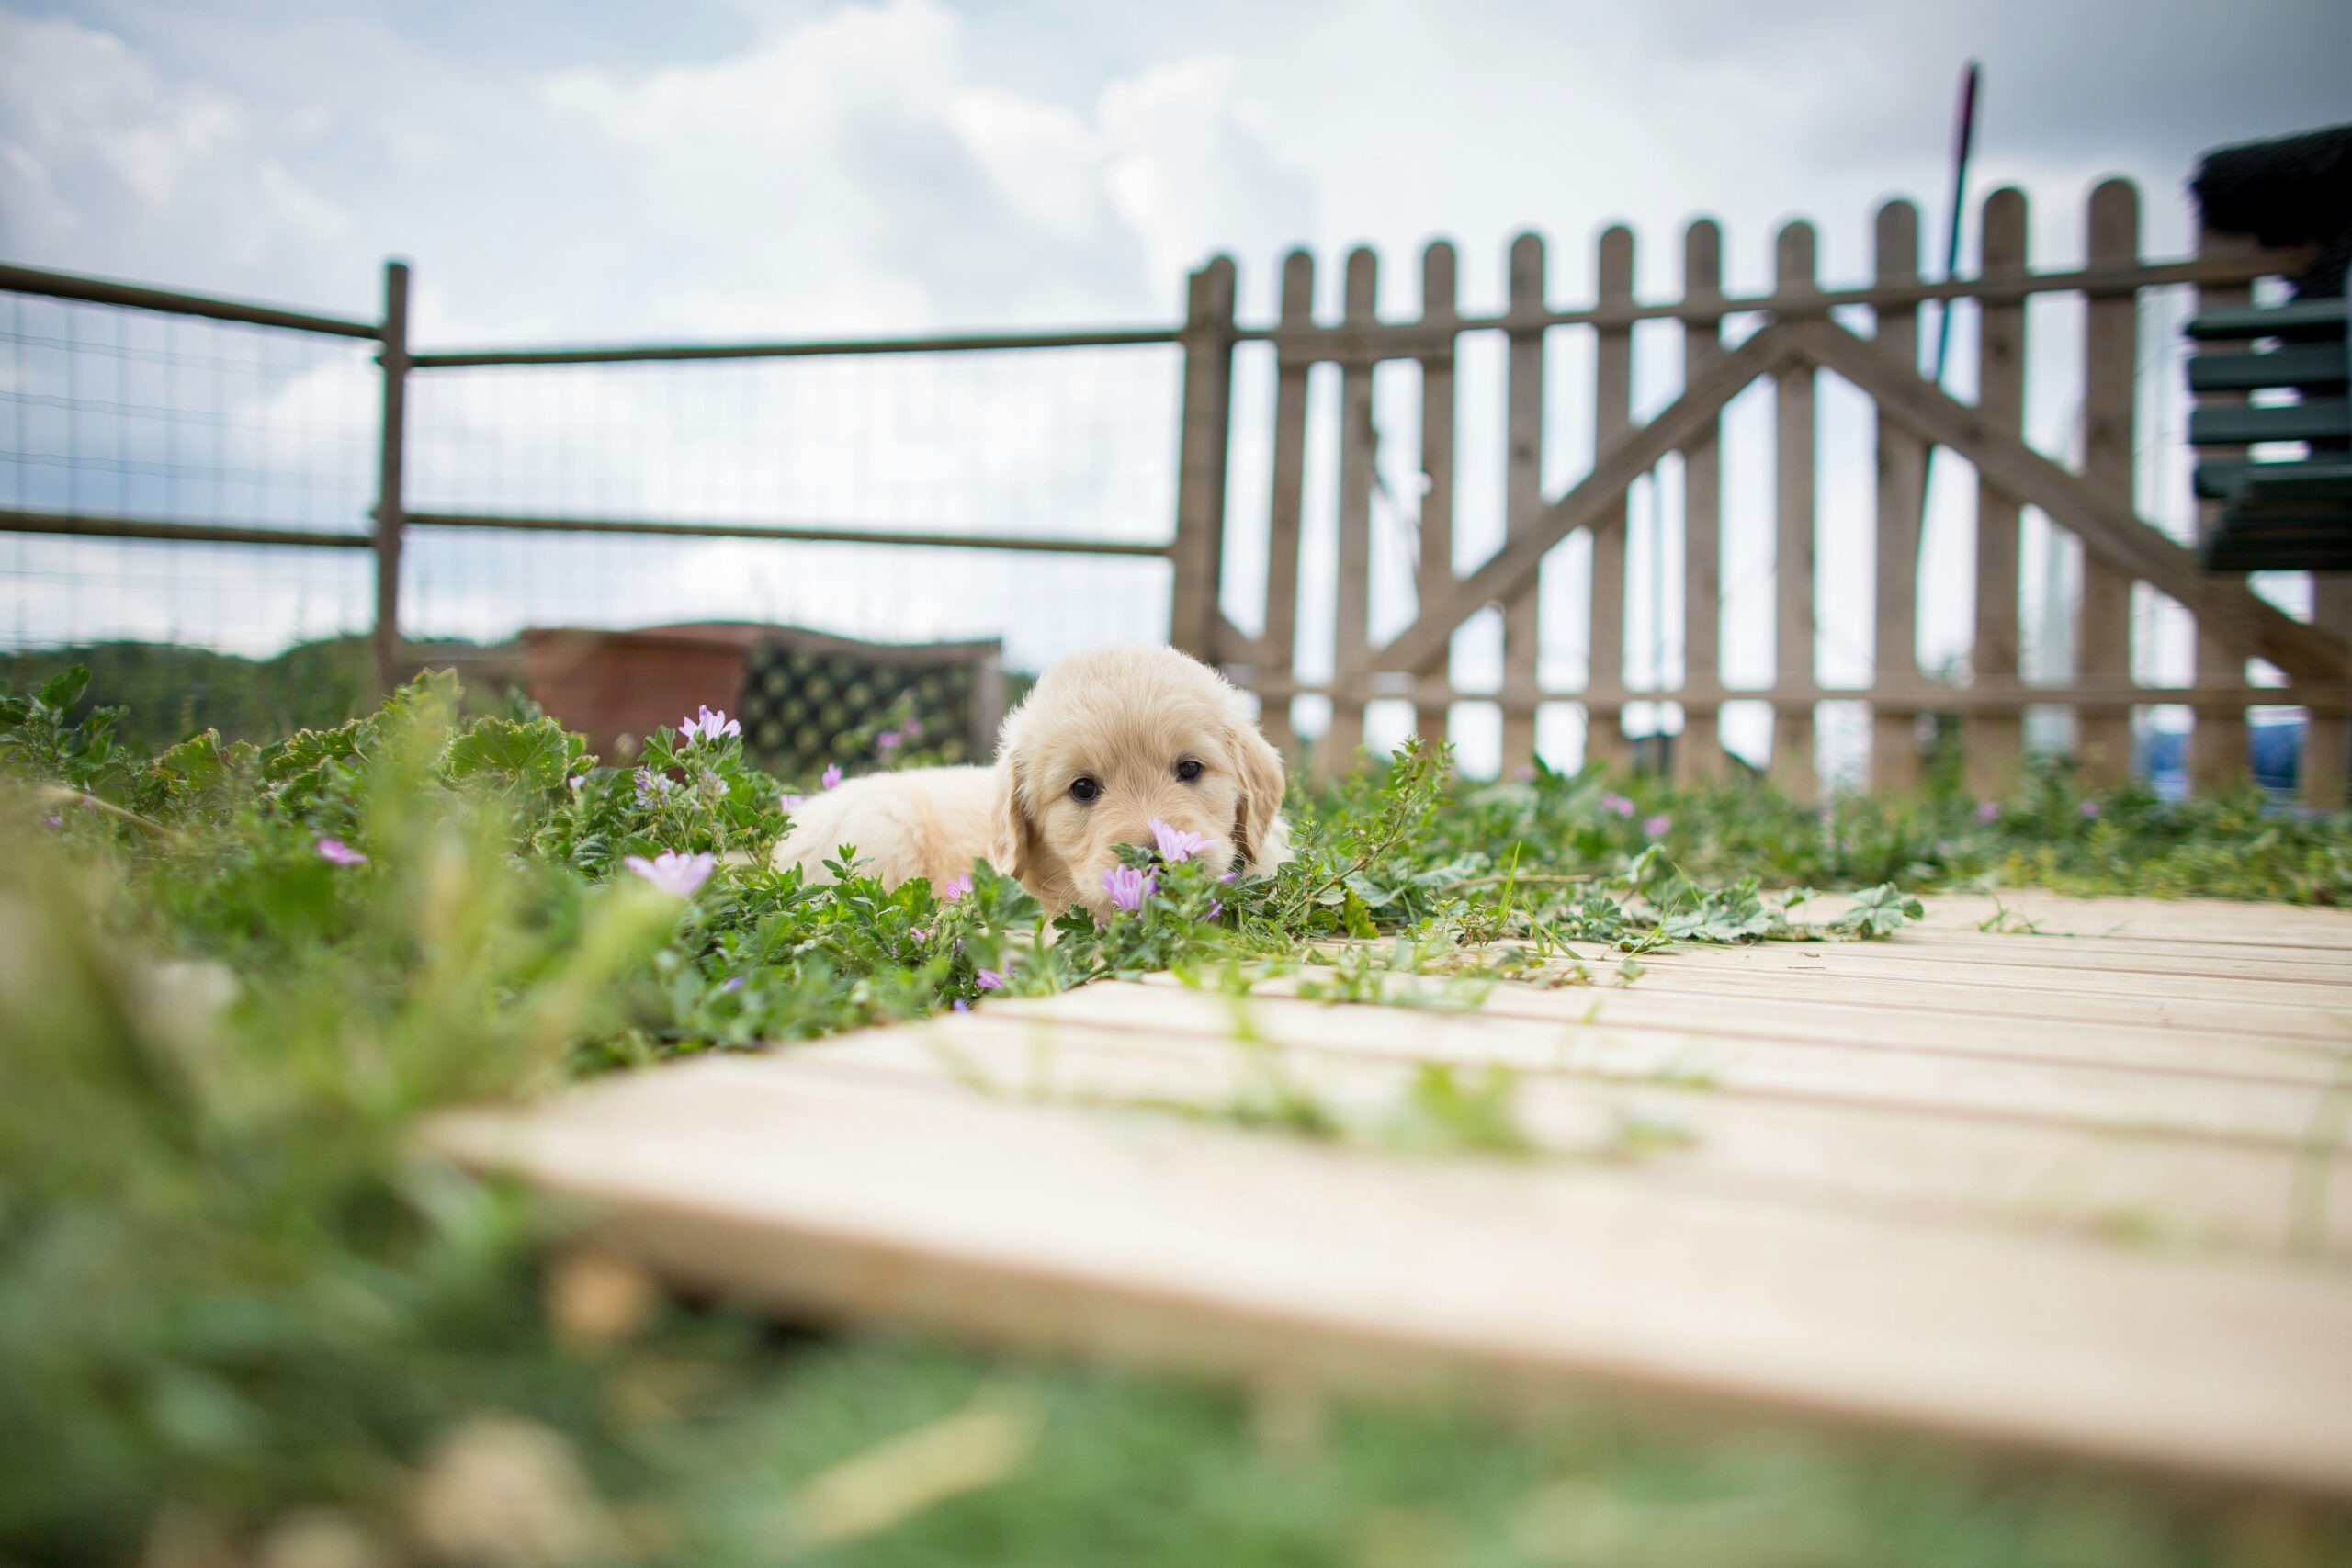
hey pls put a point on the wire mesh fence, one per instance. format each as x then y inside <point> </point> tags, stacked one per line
<point>1073,445</point>
<point>111,412</point>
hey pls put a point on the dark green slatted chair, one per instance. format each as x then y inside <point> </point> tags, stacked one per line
<point>2280,514</point>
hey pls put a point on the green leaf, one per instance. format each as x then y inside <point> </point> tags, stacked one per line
<point>194,766</point>
<point>62,690</point>
<point>518,756</point>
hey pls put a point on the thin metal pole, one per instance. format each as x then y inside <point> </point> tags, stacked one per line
<point>391,515</point>
<point>1964,144</point>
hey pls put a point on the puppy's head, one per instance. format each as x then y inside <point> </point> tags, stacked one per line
<point>1109,741</point>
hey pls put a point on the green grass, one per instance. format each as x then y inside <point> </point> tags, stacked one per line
<point>233,1305</point>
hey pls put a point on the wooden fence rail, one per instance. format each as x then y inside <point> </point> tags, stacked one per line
<point>1793,339</point>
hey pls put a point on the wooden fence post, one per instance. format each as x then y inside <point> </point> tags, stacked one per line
<point>1358,453</point>
<point>1792,419</point>
<point>1902,469</point>
<point>1699,755</point>
<point>1438,294</point>
<point>1192,620</point>
<point>390,513</point>
<point>2110,379</point>
<point>1290,373</point>
<point>1613,406</point>
<point>1523,498</point>
<point>1995,741</point>
<point>2218,751</point>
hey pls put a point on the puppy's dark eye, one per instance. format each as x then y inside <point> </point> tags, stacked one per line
<point>1188,770</point>
<point>1084,789</point>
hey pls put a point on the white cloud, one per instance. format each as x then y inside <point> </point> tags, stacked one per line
<point>108,152</point>
<point>856,168</point>
<point>1190,172</point>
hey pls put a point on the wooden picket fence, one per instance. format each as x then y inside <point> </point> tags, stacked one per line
<point>1795,339</point>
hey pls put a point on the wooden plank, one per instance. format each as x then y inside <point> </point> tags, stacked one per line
<point>1839,1017</point>
<point>2246,619</point>
<point>2110,388</point>
<point>2314,986</point>
<point>1791,765</point>
<point>1995,741</point>
<point>2171,919</point>
<point>2324,1024</point>
<point>2121,949</point>
<point>1926,1165</point>
<point>2096,955</point>
<point>1420,645</point>
<point>1699,756</point>
<point>1795,1068</point>
<point>1280,642</point>
<point>1358,452</point>
<point>1199,550</point>
<point>1148,1240</point>
<point>2218,751</point>
<point>1895,758</point>
<point>1522,495</point>
<point>1613,405</point>
<point>1878,1016</point>
<point>1439,297</point>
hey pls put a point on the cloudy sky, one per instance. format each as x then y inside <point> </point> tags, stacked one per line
<point>587,170</point>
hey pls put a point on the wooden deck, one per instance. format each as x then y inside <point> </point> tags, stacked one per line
<point>2082,1190</point>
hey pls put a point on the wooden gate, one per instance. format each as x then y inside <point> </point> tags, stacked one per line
<point>1795,339</point>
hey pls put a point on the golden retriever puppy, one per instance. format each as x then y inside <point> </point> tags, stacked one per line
<point>1108,741</point>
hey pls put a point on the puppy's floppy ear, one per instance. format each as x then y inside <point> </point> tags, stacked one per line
<point>1263,786</point>
<point>1012,848</point>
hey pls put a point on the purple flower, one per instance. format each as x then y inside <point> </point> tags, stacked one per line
<point>1988,812</point>
<point>788,804</point>
<point>54,824</point>
<point>956,887</point>
<point>1176,845</point>
<point>833,777</point>
<point>676,873</point>
<point>989,980</point>
<point>336,852</point>
<point>736,984</point>
<point>1658,827</point>
<point>961,1005</point>
<point>708,726</point>
<point>912,729</point>
<point>1128,888</point>
<point>886,742</point>
<point>651,786</point>
<point>1616,804</point>
<point>918,932</point>
<point>2092,810</point>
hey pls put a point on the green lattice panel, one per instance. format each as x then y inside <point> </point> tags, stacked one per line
<point>804,709</point>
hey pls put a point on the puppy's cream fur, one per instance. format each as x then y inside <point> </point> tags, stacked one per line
<point>1126,718</point>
